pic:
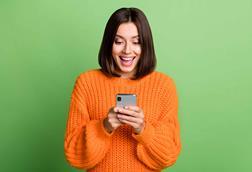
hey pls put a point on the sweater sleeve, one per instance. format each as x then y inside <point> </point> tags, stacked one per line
<point>159,143</point>
<point>86,141</point>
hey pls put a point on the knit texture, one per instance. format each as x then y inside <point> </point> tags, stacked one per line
<point>88,145</point>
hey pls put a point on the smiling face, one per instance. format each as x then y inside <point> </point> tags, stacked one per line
<point>126,49</point>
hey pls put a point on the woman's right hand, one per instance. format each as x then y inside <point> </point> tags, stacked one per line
<point>111,122</point>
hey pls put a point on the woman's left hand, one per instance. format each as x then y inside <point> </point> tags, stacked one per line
<point>133,116</point>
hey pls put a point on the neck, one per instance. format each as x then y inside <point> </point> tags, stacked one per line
<point>126,75</point>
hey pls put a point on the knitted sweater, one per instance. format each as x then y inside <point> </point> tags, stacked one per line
<point>89,146</point>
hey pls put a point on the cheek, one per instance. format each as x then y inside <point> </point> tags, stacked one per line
<point>116,50</point>
<point>138,50</point>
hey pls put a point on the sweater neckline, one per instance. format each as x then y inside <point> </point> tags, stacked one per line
<point>122,82</point>
<point>119,81</point>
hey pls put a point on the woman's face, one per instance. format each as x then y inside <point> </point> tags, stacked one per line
<point>126,49</point>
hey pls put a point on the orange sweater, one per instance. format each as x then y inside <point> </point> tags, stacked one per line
<point>89,146</point>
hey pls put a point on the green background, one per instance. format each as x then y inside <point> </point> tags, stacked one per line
<point>204,45</point>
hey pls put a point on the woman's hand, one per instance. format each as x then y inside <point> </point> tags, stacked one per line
<point>133,116</point>
<point>111,122</point>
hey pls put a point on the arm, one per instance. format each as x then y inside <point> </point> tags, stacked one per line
<point>86,141</point>
<point>159,143</point>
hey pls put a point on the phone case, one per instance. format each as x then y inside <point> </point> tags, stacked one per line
<point>123,100</point>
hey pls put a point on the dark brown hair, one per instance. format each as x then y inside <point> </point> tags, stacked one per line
<point>147,61</point>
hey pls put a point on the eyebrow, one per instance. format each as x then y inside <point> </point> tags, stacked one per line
<point>137,36</point>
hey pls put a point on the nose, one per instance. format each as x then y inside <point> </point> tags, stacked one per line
<point>127,48</point>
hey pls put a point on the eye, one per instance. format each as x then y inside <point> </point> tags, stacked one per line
<point>136,42</point>
<point>118,42</point>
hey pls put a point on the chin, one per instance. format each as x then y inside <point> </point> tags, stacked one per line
<point>124,69</point>
<point>127,69</point>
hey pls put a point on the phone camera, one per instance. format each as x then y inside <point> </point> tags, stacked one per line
<point>119,98</point>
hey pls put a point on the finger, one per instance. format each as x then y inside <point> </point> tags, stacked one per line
<point>134,125</point>
<point>115,109</point>
<point>133,108</point>
<point>130,118</point>
<point>128,112</point>
<point>131,113</point>
<point>113,120</point>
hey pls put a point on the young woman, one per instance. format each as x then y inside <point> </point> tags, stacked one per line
<point>103,137</point>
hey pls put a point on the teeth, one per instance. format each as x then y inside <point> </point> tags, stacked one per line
<point>127,58</point>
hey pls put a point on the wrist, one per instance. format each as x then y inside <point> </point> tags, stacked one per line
<point>139,130</point>
<point>107,126</point>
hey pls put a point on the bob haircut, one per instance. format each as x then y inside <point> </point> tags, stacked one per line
<point>147,61</point>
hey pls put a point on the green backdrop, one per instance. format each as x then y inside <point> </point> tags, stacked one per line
<point>204,45</point>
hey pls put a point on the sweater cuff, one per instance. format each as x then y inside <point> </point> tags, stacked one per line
<point>146,135</point>
<point>106,133</point>
<point>96,128</point>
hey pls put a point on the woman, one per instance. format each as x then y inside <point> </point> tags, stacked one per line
<point>103,137</point>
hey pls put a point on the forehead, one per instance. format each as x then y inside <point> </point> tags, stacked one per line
<point>127,30</point>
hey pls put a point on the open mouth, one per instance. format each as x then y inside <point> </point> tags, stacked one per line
<point>126,61</point>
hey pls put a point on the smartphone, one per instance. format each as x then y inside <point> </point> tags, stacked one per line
<point>123,100</point>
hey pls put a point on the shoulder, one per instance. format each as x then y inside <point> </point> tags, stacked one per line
<point>168,86</point>
<point>88,77</point>
<point>163,78</point>
<point>92,74</point>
